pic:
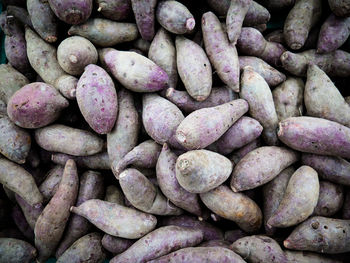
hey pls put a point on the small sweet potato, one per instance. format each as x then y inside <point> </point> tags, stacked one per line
<point>114,9</point>
<point>144,12</point>
<point>330,200</point>
<point>72,12</point>
<point>16,251</point>
<point>49,186</point>
<point>340,7</point>
<point>67,85</point>
<point>116,245</point>
<point>31,213</point>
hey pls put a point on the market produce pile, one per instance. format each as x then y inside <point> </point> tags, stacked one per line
<point>175,131</point>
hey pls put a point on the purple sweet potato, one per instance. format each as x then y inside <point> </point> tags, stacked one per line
<point>315,135</point>
<point>31,213</point>
<point>233,235</point>
<point>144,12</point>
<point>257,93</point>
<point>145,196</point>
<point>330,200</point>
<point>136,72</point>
<point>175,17</point>
<point>116,245</point>
<point>299,200</point>
<point>64,139</point>
<point>233,206</point>
<point>200,171</point>
<point>166,177</point>
<point>261,166</point>
<point>104,32</point>
<point>215,243</point>
<point>49,186</point>
<point>160,242</point>
<point>72,12</point>
<point>221,53</point>
<point>90,187</point>
<point>340,7</point>
<point>20,13</point>
<point>15,142</point>
<point>251,42</point>
<point>22,224</point>
<point>114,9</point>
<point>308,257</point>
<point>75,53</point>
<point>346,206</point>
<point>196,132</point>
<point>35,105</point>
<point>67,86</point>
<point>116,220</point>
<point>256,15</point>
<point>236,156</point>
<point>320,234</point>
<point>52,221</point>
<point>43,19</point>
<point>194,68</point>
<point>16,251</point>
<point>96,161</point>
<point>334,64</point>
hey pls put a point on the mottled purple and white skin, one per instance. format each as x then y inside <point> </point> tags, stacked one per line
<point>322,98</point>
<point>237,155</point>
<point>259,248</point>
<point>196,130</point>
<point>116,245</point>
<point>315,135</point>
<point>159,243</point>
<point>299,200</point>
<point>136,72</point>
<point>340,7</point>
<point>64,139</point>
<point>233,235</point>
<point>144,155</point>
<point>234,18</point>
<point>67,86</point>
<point>288,98</point>
<point>271,75</point>
<point>175,17</point>
<point>49,186</point>
<point>256,15</point>
<point>35,105</point>
<point>90,187</point>
<point>75,53</point>
<point>322,235</point>
<point>16,250</point>
<point>145,196</point>
<point>221,53</point>
<point>308,257</point>
<point>162,52</point>
<point>72,12</point>
<point>334,64</point>
<point>194,68</point>
<point>333,34</point>
<point>330,200</point>
<point>257,93</point>
<point>169,185</point>
<point>99,161</point>
<point>301,18</point>
<point>187,104</point>
<point>104,32</point>
<point>242,132</point>
<point>252,43</point>
<point>273,193</point>
<point>144,12</point>
<point>42,57</point>
<point>31,213</point>
<point>20,221</point>
<point>15,142</point>
<point>236,207</point>
<point>18,180</point>
<point>51,223</point>
<point>261,166</point>
<point>346,205</point>
<point>114,9</point>
<point>200,171</point>
<point>161,118</point>
<point>116,220</point>
<point>43,19</point>
<point>97,99</point>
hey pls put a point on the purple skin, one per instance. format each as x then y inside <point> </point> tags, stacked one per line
<point>19,13</point>
<point>346,206</point>
<point>340,7</point>
<point>96,161</point>
<point>209,231</point>
<point>16,250</point>
<point>201,254</point>
<point>215,243</point>
<point>31,213</point>
<point>315,135</point>
<point>116,245</point>
<point>333,34</point>
<point>196,130</point>
<point>114,9</point>
<point>35,105</point>
<point>233,235</point>
<point>169,185</point>
<point>330,200</point>
<point>251,42</point>
<point>144,12</point>
<point>271,75</point>
<point>91,187</point>
<point>242,132</point>
<point>72,12</point>
<point>236,156</point>
<point>67,86</point>
<point>158,243</point>
<point>49,186</point>
<point>187,104</point>
<point>43,19</point>
<point>334,64</point>
<point>256,15</point>
<point>21,223</point>
<point>223,55</point>
<point>97,99</point>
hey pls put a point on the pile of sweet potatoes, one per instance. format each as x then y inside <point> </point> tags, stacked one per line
<point>175,131</point>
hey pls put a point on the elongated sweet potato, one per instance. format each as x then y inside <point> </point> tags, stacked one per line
<point>15,250</point>
<point>96,161</point>
<point>31,213</point>
<point>144,12</point>
<point>114,9</point>
<point>340,7</point>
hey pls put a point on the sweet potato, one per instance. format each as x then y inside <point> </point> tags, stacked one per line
<point>72,12</point>
<point>215,243</point>
<point>308,257</point>
<point>144,12</point>
<point>20,13</point>
<point>96,161</point>
<point>256,15</point>
<point>114,9</point>
<point>31,213</point>
<point>49,186</point>
<point>330,200</point>
<point>116,245</point>
<point>233,235</point>
<point>236,156</point>
<point>20,221</point>
<point>67,86</point>
<point>340,7</point>
<point>15,250</point>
